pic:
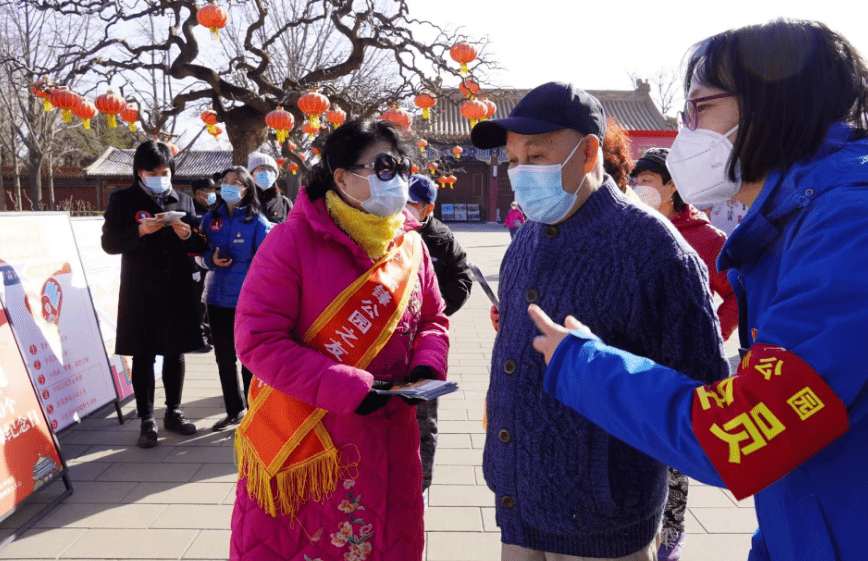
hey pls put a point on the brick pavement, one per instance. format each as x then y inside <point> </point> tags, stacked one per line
<point>175,501</point>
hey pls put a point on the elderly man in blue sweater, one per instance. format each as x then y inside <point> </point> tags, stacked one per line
<point>565,489</point>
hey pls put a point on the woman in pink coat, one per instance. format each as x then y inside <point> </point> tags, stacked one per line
<point>514,219</point>
<point>349,487</point>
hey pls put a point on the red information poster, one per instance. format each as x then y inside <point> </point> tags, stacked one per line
<point>30,457</point>
<point>48,303</point>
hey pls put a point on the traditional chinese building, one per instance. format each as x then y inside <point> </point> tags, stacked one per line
<point>482,191</point>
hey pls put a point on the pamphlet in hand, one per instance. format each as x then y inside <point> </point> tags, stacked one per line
<point>425,390</point>
<point>169,217</point>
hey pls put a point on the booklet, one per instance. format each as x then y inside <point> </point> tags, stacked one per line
<point>169,217</point>
<point>423,389</point>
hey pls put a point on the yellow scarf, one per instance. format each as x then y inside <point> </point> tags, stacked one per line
<point>374,233</point>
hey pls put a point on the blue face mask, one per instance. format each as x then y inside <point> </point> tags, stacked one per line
<point>210,198</point>
<point>157,184</point>
<point>230,193</point>
<point>388,198</point>
<point>539,191</point>
<point>265,179</point>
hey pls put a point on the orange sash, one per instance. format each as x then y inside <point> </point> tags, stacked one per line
<point>283,449</point>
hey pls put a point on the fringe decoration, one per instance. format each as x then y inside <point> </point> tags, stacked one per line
<point>313,479</point>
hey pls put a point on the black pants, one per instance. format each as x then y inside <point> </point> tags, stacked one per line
<point>198,288</point>
<point>223,333</point>
<point>143,382</point>
<point>426,416</point>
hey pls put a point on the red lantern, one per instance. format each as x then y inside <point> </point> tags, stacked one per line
<point>425,101</point>
<point>209,117</point>
<point>42,90</point>
<point>280,162</point>
<point>281,121</point>
<point>469,87</point>
<point>172,147</point>
<point>130,114</point>
<point>218,130</point>
<point>398,116</point>
<point>421,144</point>
<point>457,152</point>
<point>314,151</point>
<point>85,111</point>
<point>291,146</point>
<point>490,109</point>
<point>336,116</point>
<point>66,101</point>
<point>442,181</point>
<point>473,110</point>
<point>414,168</point>
<point>213,17</point>
<point>293,167</point>
<point>451,179</point>
<point>111,104</point>
<point>311,130</point>
<point>313,104</point>
<point>432,167</point>
<point>463,53</point>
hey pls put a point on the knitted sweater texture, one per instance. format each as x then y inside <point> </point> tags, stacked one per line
<point>562,484</point>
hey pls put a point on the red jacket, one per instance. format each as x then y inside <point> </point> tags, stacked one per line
<point>514,218</point>
<point>708,241</point>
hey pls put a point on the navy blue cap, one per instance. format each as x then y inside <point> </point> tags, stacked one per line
<point>547,108</point>
<point>422,189</point>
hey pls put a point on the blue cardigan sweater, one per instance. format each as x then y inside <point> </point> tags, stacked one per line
<point>563,485</point>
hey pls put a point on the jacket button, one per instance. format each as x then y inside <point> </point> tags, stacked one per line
<point>507,502</point>
<point>504,436</point>
<point>552,231</point>
<point>510,366</point>
<point>532,295</point>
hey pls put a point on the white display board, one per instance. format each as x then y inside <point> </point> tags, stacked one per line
<point>46,296</point>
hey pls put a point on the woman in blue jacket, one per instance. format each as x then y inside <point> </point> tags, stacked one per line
<point>776,118</point>
<point>234,230</point>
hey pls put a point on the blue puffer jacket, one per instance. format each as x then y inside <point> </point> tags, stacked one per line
<point>798,262</point>
<point>238,238</point>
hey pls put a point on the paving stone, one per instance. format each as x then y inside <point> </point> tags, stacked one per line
<point>460,495</point>
<point>87,471</point>
<point>131,454</point>
<point>451,457</point>
<point>90,515</point>
<point>201,455</point>
<point>210,544</point>
<point>724,520</point>
<point>459,427</point>
<point>489,523</point>
<point>196,517</point>
<point>463,546</point>
<point>453,519</point>
<point>708,496</point>
<point>216,473</point>
<point>150,472</point>
<point>131,544</point>
<point>453,441</point>
<point>108,492</point>
<point>716,547</point>
<point>186,493</point>
<point>41,544</point>
<point>454,475</point>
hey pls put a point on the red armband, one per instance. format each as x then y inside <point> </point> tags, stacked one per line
<point>772,415</point>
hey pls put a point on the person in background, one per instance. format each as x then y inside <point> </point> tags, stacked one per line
<point>275,205</point>
<point>341,301</point>
<point>157,312</point>
<point>455,281</point>
<point>654,186</point>
<point>204,198</point>
<point>514,219</point>
<point>234,231</point>
<point>776,115</point>
<point>565,489</point>
<point>617,158</point>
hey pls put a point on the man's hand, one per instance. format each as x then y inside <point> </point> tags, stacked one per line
<point>219,261</point>
<point>149,226</point>
<point>495,319</point>
<point>552,333</point>
<point>181,229</point>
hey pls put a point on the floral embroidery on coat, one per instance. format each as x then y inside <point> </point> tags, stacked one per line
<point>359,546</point>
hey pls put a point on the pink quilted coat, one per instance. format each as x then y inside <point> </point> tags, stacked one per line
<point>376,512</point>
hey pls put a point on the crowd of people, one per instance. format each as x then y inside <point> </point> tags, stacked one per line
<point>609,382</point>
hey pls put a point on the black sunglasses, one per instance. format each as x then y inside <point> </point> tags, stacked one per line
<point>386,166</point>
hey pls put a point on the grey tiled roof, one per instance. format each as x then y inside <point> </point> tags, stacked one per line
<point>634,110</point>
<point>115,163</point>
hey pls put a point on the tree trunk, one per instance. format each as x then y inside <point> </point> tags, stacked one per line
<point>19,203</point>
<point>247,131</point>
<point>52,202</point>
<point>2,183</point>
<point>293,184</point>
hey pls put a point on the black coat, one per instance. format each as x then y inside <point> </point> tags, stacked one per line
<point>450,263</point>
<point>156,309</point>
<point>275,205</point>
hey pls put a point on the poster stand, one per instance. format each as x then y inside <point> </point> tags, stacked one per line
<point>46,509</point>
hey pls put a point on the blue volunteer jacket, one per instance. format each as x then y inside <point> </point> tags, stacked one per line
<point>237,237</point>
<point>797,263</point>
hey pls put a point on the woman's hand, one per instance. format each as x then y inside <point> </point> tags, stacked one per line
<point>552,333</point>
<point>182,230</point>
<point>149,226</point>
<point>495,318</point>
<point>220,261</point>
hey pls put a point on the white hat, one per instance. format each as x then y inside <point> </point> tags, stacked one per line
<point>257,159</point>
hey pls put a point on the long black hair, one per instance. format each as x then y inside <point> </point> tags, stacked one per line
<point>793,80</point>
<point>344,147</point>
<point>250,198</point>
